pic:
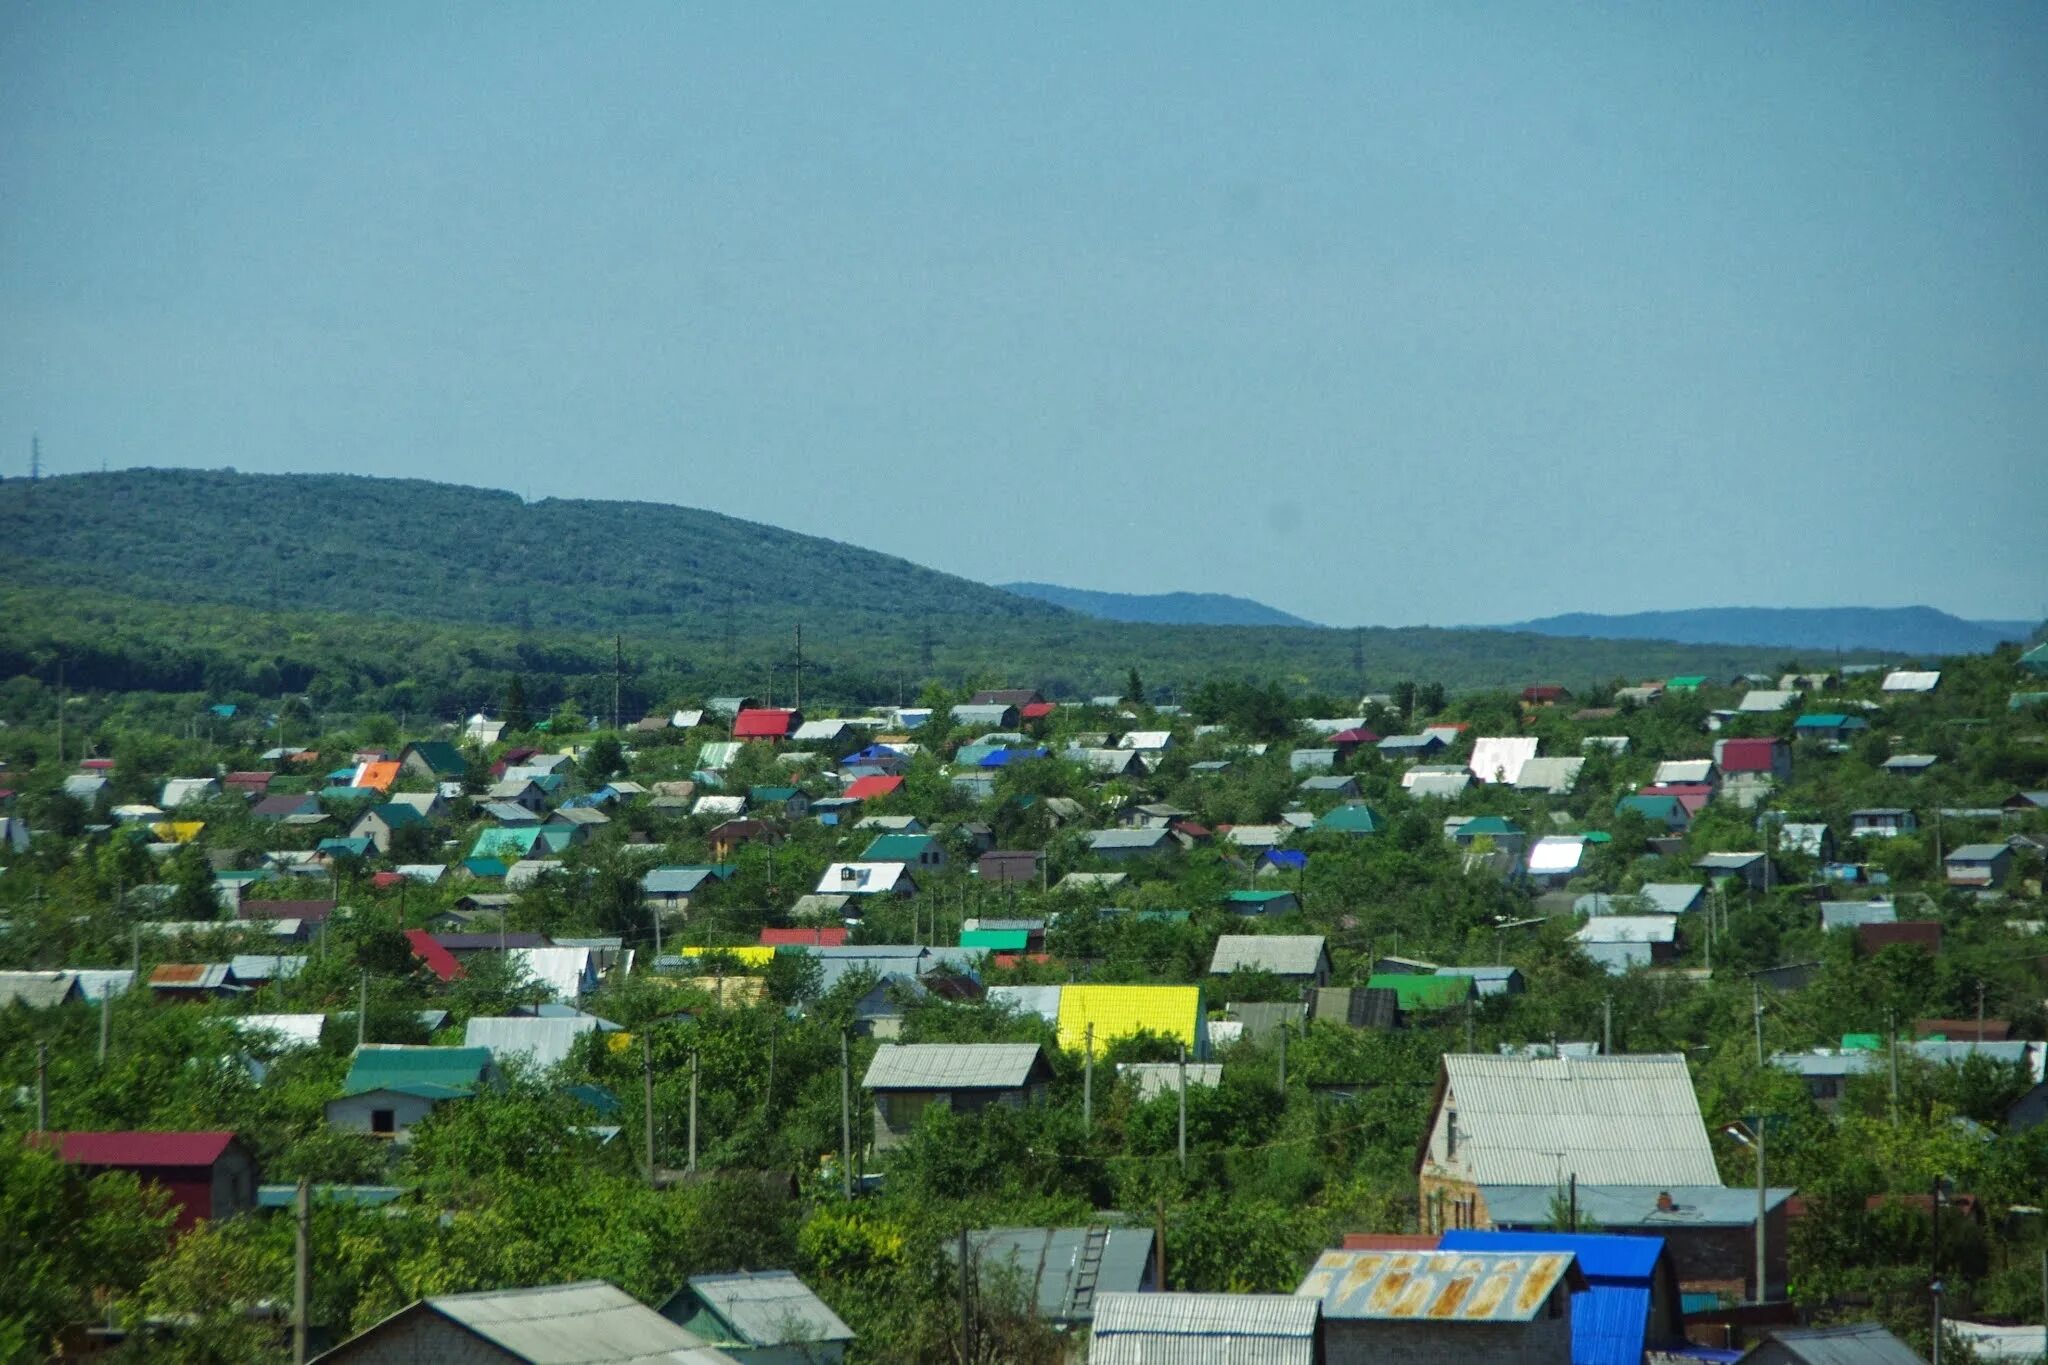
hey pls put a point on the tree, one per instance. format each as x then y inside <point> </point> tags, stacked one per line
<point>1134,688</point>
<point>515,705</point>
<point>194,897</point>
<point>603,760</point>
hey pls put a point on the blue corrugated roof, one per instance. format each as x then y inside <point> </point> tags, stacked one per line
<point>1285,857</point>
<point>1601,1256</point>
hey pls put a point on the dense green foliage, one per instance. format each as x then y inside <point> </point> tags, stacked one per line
<point>1818,630</point>
<point>1160,608</point>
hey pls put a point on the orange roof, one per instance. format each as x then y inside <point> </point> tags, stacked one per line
<point>379,775</point>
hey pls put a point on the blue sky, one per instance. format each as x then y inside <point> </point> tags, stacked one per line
<point>1382,315</point>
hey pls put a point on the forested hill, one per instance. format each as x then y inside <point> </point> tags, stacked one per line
<point>1160,608</point>
<point>1899,630</point>
<point>335,542</point>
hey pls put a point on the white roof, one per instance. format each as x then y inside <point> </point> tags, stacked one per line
<point>1146,739</point>
<point>1614,744</point>
<point>861,879</point>
<point>1766,699</point>
<point>1557,776</point>
<point>1442,786</point>
<point>565,971</point>
<point>1628,929</point>
<point>1684,770</point>
<point>951,1066</point>
<point>1163,1078</point>
<point>545,1042</point>
<point>293,1030</point>
<point>812,730</point>
<point>720,805</point>
<point>1555,853</point>
<point>1043,1001</point>
<point>1501,760</point>
<point>1258,836</point>
<point>1281,954</point>
<point>1630,1120</point>
<point>1909,680</point>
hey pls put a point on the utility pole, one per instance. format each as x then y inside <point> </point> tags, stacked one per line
<point>1980,1011</point>
<point>42,1087</point>
<point>845,1121</point>
<point>768,1094</point>
<point>693,1112</point>
<point>1606,1026</point>
<point>798,704</point>
<point>1763,1121</point>
<point>1183,1109</point>
<point>362,1009</point>
<point>35,458</point>
<point>1088,1079</point>
<point>106,1023</point>
<point>1891,1028</point>
<point>63,705</point>
<point>1756,1010</point>
<point>1572,1198</point>
<point>1159,1248</point>
<point>1934,1284</point>
<point>966,1313</point>
<point>1282,1084</point>
<point>302,1270</point>
<point>618,663</point>
<point>647,1101</point>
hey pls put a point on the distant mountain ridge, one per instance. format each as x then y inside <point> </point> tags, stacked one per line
<point>1897,630</point>
<point>1160,608</point>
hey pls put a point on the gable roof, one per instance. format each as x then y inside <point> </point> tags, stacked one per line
<point>953,1066</point>
<point>873,787</point>
<point>1119,1011</point>
<point>1437,1286</point>
<point>586,1323</point>
<point>1501,759</point>
<point>762,723</point>
<point>427,1072</point>
<point>1256,1329</point>
<point>1281,954</point>
<point>140,1148</point>
<point>1631,1120</point>
<point>1068,1269</point>
<point>767,1308</point>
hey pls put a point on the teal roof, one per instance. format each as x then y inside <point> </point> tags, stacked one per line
<point>1829,720</point>
<point>772,794</point>
<point>1662,808</point>
<point>356,847</point>
<point>484,867</point>
<point>517,841</point>
<point>433,1073</point>
<point>898,848</point>
<point>397,815</point>
<point>1491,825</point>
<point>997,940</point>
<point>1351,819</point>
<point>1256,897</point>
<point>441,757</point>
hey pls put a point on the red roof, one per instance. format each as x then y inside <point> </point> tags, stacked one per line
<point>1544,692</point>
<point>140,1149</point>
<point>439,960</point>
<point>872,788</point>
<point>1747,755</point>
<point>804,938</point>
<point>1191,829</point>
<point>1357,734</point>
<point>381,880</point>
<point>1013,959</point>
<point>247,779</point>
<point>762,723</point>
<point>1694,796</point>
<point>97,765</point>
<point>1036,710</point>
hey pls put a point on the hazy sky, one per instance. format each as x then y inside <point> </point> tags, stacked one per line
<point>1434,313</point>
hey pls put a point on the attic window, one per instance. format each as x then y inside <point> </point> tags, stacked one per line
<point>1450,1135</point>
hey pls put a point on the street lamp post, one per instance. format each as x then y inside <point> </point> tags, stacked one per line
<point>1750,1133</point>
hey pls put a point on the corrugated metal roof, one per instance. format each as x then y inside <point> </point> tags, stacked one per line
<point>36,990</point>
<point>1067,1269</point>
<point>1630,1120</point>
<point>1281,954</point>
<point>1043,1001</point>
<point>1118,1011</point>
<point>565,971</point>
<point>769,1308</point>
<point>1163,1078</point>
<point>1856,1343</point>
<point>1500,759</point>
<point>1632,1206</point>
<point>1556,776</point>
<point>396,1066</point>
<point>953,1066</point>
<point>1435,1286</point>
<point>543,1042</point>
<point>1204,1329</point>
<point>1628,929</point>
<point>195,976</point>
<point>588,1323</point>
<point>139,1148</point>
<point>292,1030</point>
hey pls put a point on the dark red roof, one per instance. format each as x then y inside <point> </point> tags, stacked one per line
<point>1747,755</point>
<point>1357,734</point>
<point>314,911</point>
<point>1694,796</point>
<point>804,938</point>
<point>1190,829</point>
<point>762,723</point>
<point>1964,1030</point>
<point>1922,934</point>
<point>1036,710</point>
<point>1014,959</point>
<point>140,1149</point>
<point>1544,692</point>
<point>97,765</point>
<point>258,780</point>
<point>383,880</point>
<point>871,788</point>
<point>439,960</point>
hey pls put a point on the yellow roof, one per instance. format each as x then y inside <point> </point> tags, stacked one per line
<point>1116,1011</point>
<point>753,954</point>
<point>177,831</point>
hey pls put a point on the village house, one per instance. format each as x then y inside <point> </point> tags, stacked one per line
<point>205,1175</point>
<point>1883,822</point>
<point>1269,1329</point>
<point>1983,866</point>
<point>905,1079</point>
<point>1300,959</point>
<point>590,1322</point>
<point>765,1316</point>
<point>390,1087</point>
<point>1425,1307</point>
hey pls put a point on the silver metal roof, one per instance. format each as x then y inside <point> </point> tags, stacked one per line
<point>1281,954</point>
<point>1684,770</point>
<point>769,1308</point>
<point>1163,1078</point>
<point>1127,838</point>
<point>1043,1001</point>
<point>1631,1120</point>
<point>1855,1343</point>
<point>587,1323</point>
<point>1556,776</point>
<point>543,1042</point>
<point>1435,1286</point>
<point>1067,1269</point>
<point>952,1066</point>
<point>1672,898</point>
<point>1204,1329</point>
<point>293,1030</point>
<point>1628,929</point>
<point>1632,1206</point>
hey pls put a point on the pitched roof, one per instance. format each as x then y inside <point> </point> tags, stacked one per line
<point>953,1066</point>
<point>1416,991</point>
<point>140,1149</point>
<point>428,1072</point>
<point>430,951</point>
<point>1118,1011</point>
<point>761,723</point>
<point>1630,1120</point>
<point>586,1323</point>
<point>1281,954</point>
<point>768,1308</point>
<point>1203,1329</point>
<point>873,787</point>
<point>1437,1286</point>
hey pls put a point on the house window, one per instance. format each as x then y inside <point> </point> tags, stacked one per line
<point>384,1122</point>
<point>1450,1135</point>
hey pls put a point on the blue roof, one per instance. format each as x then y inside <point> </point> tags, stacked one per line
<point>1284,857</point>
<point>1002,758</point>
<point>1611,1316</point>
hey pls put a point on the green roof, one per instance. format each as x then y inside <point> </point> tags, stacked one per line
<point>1351,819</point>
<point>442,758</point>
<point>1488,824</point>
<point>484,867</point>
<point>1417,992</point>
<point>1256,897</point>
<point>397,815</point>
<point>495,843</point>
<point>1164,916</point>
<point>770,793</point>
<point>1862,1042</point>
<point>433,1073</point>
<point>997,940</point>
<point>2036,659</point>
<point>898,848</point>
<point>1691,682</point>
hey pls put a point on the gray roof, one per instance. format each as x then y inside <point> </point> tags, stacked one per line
<point>673,881</point>
<point>1557,776</point>
<point>1672,898</point>
<point>1067,1268</point>
<point>769,1308</point>
<point>1204,1329</point>
<point>1630,1120</point>
<point>1628,929</point>
<point>1149,837</point>
<point>1328,782</point>
<point>37,990</point>
<point>1849,914</point>
<point>1856,1343</point>
<point>1281,954</point>
<point>1978,853</point>
<point>587,1323</point>
<point>1617,959</point>
<point>953,1066</point>
<point>1632,1206</point>
<point>1043,1001</point>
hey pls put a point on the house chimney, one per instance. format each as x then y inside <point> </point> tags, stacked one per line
<point>1664,1204</point>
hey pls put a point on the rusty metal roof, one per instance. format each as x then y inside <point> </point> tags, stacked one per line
<point>203,976</point>
<point>1438,1286</point>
